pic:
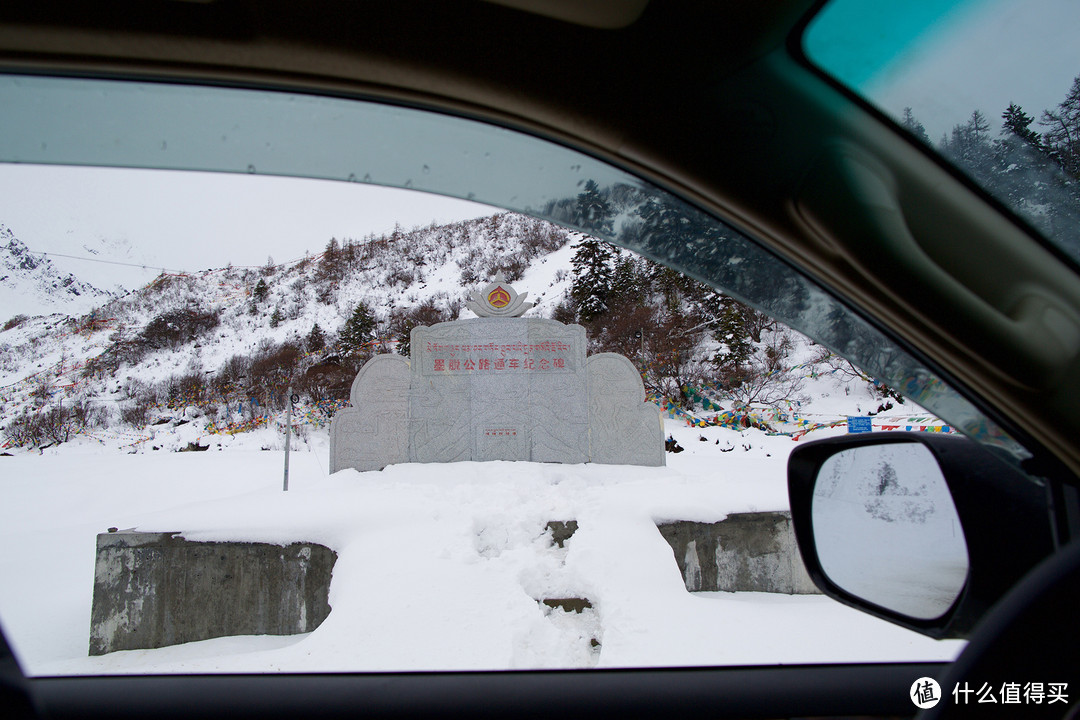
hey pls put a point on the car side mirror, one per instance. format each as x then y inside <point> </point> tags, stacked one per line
<point>915,528</point>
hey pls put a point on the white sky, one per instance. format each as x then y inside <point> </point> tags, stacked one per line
<point>194,221</point>
<point>996,53</point>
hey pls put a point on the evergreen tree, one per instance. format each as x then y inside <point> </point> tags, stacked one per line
<point>1018,123</point>
<point>626,285</point>
<point>316,339</point>
<point>261,290</point>
<point>276,318</point>
<point>564,313</point>
<point>359,329</point>
<point>1025,172</point>
<point>593,211</point>
<point>733,332</point>
<point>915,127</point>
<point>591,286</point>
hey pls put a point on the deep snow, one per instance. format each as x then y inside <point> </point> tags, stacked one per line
<point>440,566</point>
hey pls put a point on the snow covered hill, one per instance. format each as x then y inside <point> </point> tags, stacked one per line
<point>98,361</point>
<point>222,345</point>
<point>31,284</point>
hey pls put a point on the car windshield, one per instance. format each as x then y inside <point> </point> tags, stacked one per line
<point>992,86</point>
<point>203,283</point>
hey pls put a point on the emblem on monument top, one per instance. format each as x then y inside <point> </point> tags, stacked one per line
<point>497,299</point>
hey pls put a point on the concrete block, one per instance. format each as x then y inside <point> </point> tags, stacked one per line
<point>158,589</point>
<point>746,552</point>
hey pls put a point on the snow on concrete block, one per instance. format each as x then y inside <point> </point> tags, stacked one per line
<point>746,552</point>
<point>158,589</point>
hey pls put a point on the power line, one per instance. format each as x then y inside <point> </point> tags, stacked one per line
<point>134,265</point>
<point>107,262</point>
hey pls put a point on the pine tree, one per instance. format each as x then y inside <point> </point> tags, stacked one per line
<point>626,286</point>
<point>1025,172</point>
<point>359,330</point>
<point>1018,123</point>
<point>733,332</point>
<point>591,286</point>
<point>316,339</point>
<point>261,290</point>
<point>593,211</point>
<point>915,127</point>
<point>564,313</point>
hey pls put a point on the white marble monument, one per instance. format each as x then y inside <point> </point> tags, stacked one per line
<point>497,387</point>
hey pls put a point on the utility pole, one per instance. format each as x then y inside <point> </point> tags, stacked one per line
<point>288,435</point>
<point>640,335</point>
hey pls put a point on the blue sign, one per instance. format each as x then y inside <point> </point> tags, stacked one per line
<point>859,425</point>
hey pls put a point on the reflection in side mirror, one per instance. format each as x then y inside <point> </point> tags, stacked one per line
<point>887,531</point>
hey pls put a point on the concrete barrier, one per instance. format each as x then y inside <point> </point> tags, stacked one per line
<point>158,589</point>
<point>746,552</point>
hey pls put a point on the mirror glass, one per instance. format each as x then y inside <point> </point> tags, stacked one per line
<point>887,531</point>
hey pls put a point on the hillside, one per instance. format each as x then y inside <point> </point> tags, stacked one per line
<point>213,353</point>
<point>31,284</point>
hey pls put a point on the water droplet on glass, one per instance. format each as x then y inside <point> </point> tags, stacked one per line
<point>426,169</point>
<point>367,177</point>
<point>164,145</point>
<point>470,196</point>
<point>352,177</point>
<point>408,183</point>
<point>251,169</point>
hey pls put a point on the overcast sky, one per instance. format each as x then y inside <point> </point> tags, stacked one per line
<point>193,221</point>
<point>946,58</point>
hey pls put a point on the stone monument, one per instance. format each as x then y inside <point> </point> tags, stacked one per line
<point>497,387</point>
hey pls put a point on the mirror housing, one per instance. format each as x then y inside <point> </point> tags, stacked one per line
<point>990,496</point>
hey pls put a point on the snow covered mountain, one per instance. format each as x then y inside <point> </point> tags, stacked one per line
<point>31,284</point>
<point>111,358</point>
<point>222,346</point>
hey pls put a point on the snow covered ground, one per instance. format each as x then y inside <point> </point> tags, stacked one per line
<point>440,566</point>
